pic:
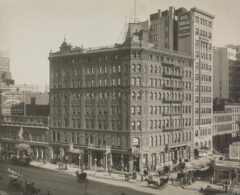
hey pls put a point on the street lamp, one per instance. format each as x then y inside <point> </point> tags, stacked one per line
<point>108,151</point>
<point>95,164</point>
<point>79,163</point>
<point>122,166</point>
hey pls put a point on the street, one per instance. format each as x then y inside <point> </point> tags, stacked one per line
<point>59,183</point>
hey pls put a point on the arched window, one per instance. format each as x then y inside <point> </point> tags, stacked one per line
<point>139,68</point>
<point>159,95</point>
<point>136,142</point>
<point>160,69</point>
<point>151,69</point>
<point>133,67</point>
<point>205,144</point>
<point>159,124</point>
<point>133,95</point>
<point>151,97</point>
<point>209,144</point>
<point>151,141</point>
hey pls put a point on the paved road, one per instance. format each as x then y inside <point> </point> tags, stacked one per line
<point>59,183</point>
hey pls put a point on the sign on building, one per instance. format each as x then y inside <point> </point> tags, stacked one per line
<point>184,25</point>
<point>234,151</point>
<point>12,103</point>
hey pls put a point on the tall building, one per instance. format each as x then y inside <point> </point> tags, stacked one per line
<point>227,72</point>
<point>234,81</point>
<point>4,62</point>
<point>223,59</point>
<point>234,75</point>
<point>190,32</point>
<point>5,74</point>
<point>127,104</point>
<point>164,28</point>
<point>195,37</point>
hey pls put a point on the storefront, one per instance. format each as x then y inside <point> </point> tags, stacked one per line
<point>227,170</point>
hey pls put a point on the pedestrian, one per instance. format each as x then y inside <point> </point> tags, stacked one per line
<point>181,181</point>
<point>171,180</point>
<point>48,193</point>
<point>193,180</point>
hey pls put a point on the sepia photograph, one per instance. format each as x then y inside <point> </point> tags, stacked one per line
<point>119,97</point>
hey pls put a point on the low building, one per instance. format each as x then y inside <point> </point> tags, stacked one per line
<point>11,103</point>
<point>33,131</point>
<point>226,126</point>
<point>234,151</point>
<point>229,169</point>
<point>24,119</point>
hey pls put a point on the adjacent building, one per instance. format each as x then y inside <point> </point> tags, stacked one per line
<point>24,119</point>
<point>190,32</point>
<point>229,169</point>
<point>24,116</point>
<point>226,72</point>
<point>226,126</point>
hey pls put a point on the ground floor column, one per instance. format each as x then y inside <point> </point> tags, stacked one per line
<point>41,153</point>
<point>130,163</point>
<point>237,173</point>
<point>61,153</point>
<point>36,153</point>
<point>90,160</point>
<point>141,163</point>
<point>50,153</point>
<point>178,155</point>
<point>122,162</point>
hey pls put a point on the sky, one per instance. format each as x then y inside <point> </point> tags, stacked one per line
<point>29,29</point>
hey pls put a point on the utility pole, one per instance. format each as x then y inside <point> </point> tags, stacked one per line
<point>134,16</point>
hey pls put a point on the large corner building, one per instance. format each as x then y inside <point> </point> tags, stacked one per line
<point>139,104</point>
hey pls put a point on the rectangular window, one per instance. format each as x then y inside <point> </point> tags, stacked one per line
<point>133,110</point>
<point>139,110</point>
<point>133,81</point>
<point>139,125</point>
<point>138,82</point>
<point>133,125</point>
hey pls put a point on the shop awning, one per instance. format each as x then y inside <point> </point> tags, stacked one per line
<point>76,151</point>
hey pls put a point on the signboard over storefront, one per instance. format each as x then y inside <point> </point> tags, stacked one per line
<point>234,151</point>
<point>12,103</point>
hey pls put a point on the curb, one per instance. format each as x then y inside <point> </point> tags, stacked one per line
<point>92,175</point>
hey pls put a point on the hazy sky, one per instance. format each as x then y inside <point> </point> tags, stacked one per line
<point>29,29</point>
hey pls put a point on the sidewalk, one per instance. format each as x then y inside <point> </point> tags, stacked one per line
<point>119,180</point>
<point>71,169</point>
